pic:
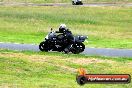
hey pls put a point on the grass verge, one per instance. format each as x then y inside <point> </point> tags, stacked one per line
<point>55,70</point>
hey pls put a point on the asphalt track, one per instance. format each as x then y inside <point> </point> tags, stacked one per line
<point>64,4</point>
<point>88,51</point>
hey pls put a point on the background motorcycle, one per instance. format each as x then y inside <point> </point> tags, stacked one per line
<point>77,2</point>
<point>54,42</point>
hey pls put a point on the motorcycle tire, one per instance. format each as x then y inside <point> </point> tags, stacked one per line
<point>78,48</point>
<point>43,46</point>
<point>73,3</point>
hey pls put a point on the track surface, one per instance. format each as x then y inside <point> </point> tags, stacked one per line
<point>62,4</point>
<point>88,51</point>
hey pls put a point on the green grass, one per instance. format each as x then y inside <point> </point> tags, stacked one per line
<point>69,1</point>
<point>106,26</point>
<point>55,70</point>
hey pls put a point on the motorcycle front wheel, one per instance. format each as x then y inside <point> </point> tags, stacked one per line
<point>44,46</point>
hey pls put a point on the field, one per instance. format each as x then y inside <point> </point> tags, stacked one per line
<point>109,27</point>
<point>106,26</point>
<point>55,70</point>
<point>69,1</point>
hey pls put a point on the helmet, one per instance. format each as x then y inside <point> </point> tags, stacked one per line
<point>62,28</point>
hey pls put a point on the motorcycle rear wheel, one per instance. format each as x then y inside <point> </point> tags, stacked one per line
<point>78,48</point>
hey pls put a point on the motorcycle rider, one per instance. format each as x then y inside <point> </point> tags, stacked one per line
<point>67,35</point>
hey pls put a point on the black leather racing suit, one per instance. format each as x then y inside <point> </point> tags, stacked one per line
<point>68,38</point>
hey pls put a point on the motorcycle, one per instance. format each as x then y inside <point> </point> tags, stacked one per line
<point>77,2</point>
<point>57,42</point>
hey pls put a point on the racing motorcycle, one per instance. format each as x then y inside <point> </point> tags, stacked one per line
<point>77,2</point>
<point>57,42</point>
